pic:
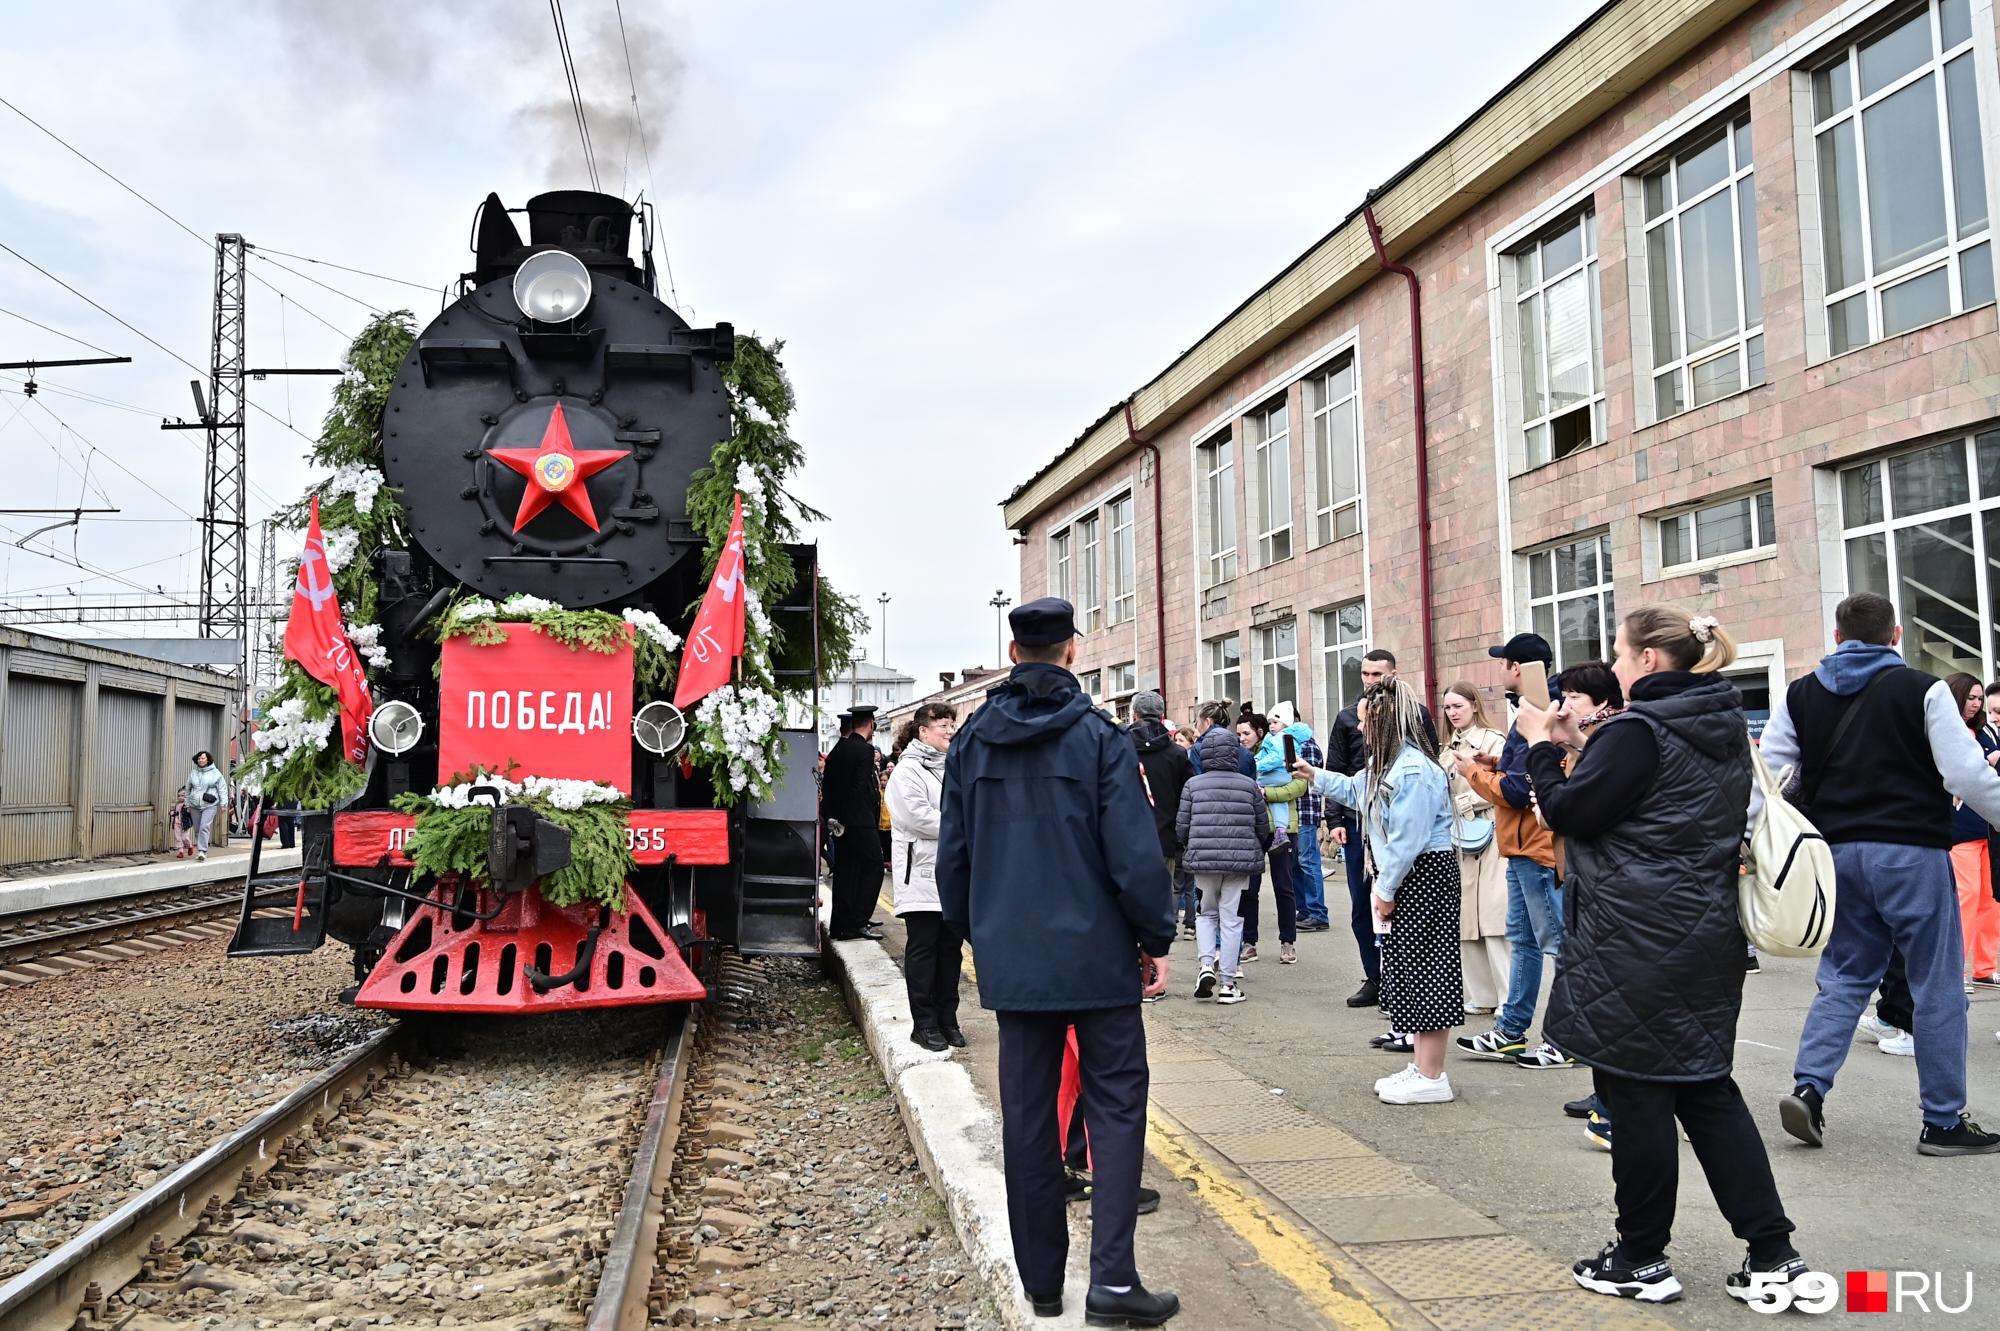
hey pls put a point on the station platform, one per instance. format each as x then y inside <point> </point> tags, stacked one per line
<point>1292,1197</point>
<point>77,882</point>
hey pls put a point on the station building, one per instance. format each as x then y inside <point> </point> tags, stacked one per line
<point>1706,305</point>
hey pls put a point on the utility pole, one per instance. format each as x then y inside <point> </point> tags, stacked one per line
<point>883,601</point>
<point>999,603</point>
<point>264,659</point>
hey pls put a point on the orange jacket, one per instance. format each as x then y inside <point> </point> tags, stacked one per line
<point>1518,831</point>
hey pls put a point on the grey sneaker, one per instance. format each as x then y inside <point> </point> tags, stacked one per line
<point>1230,993</point>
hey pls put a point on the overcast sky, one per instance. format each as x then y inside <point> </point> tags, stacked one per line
<point>975,227</point>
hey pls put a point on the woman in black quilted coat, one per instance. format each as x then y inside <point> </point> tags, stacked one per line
<point>1650,980</point>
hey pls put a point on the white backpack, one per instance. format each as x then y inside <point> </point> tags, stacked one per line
<point>1785,897</point>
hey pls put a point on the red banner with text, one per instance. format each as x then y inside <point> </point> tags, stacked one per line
<point>536,706</point>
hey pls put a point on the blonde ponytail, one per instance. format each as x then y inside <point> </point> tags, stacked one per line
<point>1692,642</point>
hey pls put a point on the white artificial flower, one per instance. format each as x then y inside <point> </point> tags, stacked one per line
<point>753,606</point>
<point>561,792</point>
<point>752,410</point>
<point>522,604</point>
<point>286,727</point>
<point>367,640</point>
<point>476,608</point>
<point>652,626</point>
<point>747,719</point>
<point>749,484</point>
<point>342,543</point>
<point>358,479</point>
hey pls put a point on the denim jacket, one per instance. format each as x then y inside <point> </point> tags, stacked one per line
<point>1414,815</point>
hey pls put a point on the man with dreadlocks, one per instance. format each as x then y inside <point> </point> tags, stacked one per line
<point>1404,802</point>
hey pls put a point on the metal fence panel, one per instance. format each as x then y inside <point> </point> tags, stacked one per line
<point>128,768</point>
<point>38,766</point>
<point>197,726</point>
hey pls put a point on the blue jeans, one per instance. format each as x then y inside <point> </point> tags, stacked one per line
<point>1184,897</point>
<point>1534,927</point>
<point>1310,875</point>
<point>1361,914</point>
<point>1903,897</point>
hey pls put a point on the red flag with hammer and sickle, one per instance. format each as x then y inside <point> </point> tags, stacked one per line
<point>316,638</point>
<point>717,637</point>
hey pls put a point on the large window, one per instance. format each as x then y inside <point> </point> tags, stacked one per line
<point>1092,684</point>
<point>1716,531</point>
<point>1090,573</point>
<point>1121,559</point>
<point>1122,680</point>
<point>1268,434</point>
<point>1561,352</point>
<point>1277,665</point>
<point>1902,177</point>
<point>1335,454</point>
<point>1922,528</point>
<point>1225,668</point>
<point>1705,295</point>
<point>1570,601</point>
<point>1060,582</point>
<point>1343,637</point>
<point>1215,463</point>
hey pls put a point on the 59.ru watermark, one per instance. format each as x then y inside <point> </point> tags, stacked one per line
<point>1866,1292</point>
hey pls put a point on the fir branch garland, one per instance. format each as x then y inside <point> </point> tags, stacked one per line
<point>453,840</point>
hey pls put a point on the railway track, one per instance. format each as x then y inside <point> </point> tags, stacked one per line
<point>41,944</point>
<point>472,1172</point>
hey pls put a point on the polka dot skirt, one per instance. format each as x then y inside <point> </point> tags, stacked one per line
<point>1422,987</point>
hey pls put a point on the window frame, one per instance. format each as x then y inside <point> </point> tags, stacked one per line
<point>1734,132</point>
<point>1950,256</point>
<point>1215,499</point>
<point>1583,217</point>
<point>1090,566</point>
<point>1260,635</point>
<point>1604,589</point>
<point>1763,535</point>
<point>1123,685</point>
<point>1122,565</point>
<point>1270,456</point>
<point>1091,681</point>
<point>1323,524</point>
<point>1214,670</point>
<point>1331,644</point>
<point>1061,569</point>
<point>1981,501</point>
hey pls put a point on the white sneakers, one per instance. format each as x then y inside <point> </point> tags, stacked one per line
<point>1875,1028</point>
<point>1902,1043</point>
<point>1411,1087</point>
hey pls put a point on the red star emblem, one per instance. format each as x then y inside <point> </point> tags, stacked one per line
<point>556,472</point>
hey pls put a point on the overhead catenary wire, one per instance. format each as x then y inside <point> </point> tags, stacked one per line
<point>575,93</point>
<point>71,337</point>
<point>645,148</point>
<point>359,272</point>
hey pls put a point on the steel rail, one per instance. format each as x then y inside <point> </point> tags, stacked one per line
<point>627,1278</point>
<point>50,1295</point>
<point>79,925</point>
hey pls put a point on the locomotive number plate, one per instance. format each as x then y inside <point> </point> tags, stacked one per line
<point>369,840</point>
<point>690,836</point>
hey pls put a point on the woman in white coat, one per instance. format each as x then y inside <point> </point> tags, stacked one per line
<point>1485,955</point>
<point>932,950</point>
<point>207,791</point>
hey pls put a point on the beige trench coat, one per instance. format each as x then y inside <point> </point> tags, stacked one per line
<point>1482,907</point>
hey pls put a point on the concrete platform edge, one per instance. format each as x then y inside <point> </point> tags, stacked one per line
<point>87,885</point>
<point>956,1133</point>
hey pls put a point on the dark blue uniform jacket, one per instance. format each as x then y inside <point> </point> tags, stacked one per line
<point>1048,860</point>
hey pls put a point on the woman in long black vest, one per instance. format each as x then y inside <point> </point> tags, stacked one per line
<point>1651,976</point>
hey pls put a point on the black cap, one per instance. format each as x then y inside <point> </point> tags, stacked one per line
<point>857,715</point>
<point>1524,647</point>
<point>1043,623</point>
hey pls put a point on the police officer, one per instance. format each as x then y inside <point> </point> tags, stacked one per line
<point>1048,861</point>
<point>850,796</point>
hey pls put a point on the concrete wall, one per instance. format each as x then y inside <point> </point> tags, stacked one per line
<point>1812,411</point>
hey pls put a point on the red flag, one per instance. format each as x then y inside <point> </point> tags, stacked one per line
<point>317,640</point>
<point>717,637</point>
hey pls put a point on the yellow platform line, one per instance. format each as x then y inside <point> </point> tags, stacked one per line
<point>1280,1246</point>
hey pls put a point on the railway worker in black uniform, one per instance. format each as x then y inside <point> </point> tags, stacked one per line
<point>1049,863</point>
<point>850,795</point>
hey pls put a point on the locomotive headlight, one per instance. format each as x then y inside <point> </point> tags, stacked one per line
<point>552,287</point>
<point>396,727</point>
<point>659,727</point>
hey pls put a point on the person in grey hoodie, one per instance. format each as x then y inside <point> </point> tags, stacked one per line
<point>1224,825</point>
<point>1881,749</point>
<point>206,792</point>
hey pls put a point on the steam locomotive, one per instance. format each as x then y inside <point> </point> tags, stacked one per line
<point>543,432</point>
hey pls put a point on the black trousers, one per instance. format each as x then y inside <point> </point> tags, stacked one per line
<point>1645,1163</point>
<point>857,880</point>
<point>932,953</point>
<point>1111,1053</point>
<point>1360,911</point>
<point>1897,1007</point>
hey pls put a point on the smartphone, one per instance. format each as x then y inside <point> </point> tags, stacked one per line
<point>1291,753</point>
<point>1534,685</point>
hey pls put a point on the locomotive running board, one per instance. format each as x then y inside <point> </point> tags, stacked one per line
<point>300,926</point>
<point>437,964</point>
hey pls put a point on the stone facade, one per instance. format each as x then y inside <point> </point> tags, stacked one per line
<point>1813,411</point>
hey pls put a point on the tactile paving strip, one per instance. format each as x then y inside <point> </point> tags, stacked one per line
<point>1578,1310</point>
<point>1187,1095</point>
<point>1267,1113</point>
<point>1355,1176</point>
<point>1208,1070</point>
<point>1311,1142</point>
<point>1401,1218</point>
<point>1462,1268</point>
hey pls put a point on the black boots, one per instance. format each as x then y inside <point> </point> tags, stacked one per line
<point>1136,1307</point>
<point>931,1038</point>
<point>1368,995</point>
